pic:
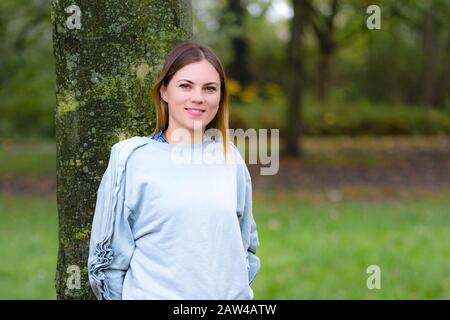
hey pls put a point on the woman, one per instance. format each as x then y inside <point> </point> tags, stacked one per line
<point>170,229</point>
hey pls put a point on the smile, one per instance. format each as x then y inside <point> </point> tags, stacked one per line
<point>194,111</point>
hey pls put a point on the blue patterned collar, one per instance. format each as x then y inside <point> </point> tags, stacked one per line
<point>159,136</point>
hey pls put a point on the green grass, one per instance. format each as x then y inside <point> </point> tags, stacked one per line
<point>308,249</point>
<point>28,160</point>
<point>322,251</point>
<point>29,242</point>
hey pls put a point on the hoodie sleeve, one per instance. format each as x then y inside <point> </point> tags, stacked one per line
<point>112,242</point>
<point>247,223</point>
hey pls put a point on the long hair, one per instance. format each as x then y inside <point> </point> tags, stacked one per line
<point>182,54</point>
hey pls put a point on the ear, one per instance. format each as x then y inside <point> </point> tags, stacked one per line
<point>163,93</point>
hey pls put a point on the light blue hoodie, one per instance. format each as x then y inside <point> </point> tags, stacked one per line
<point>164,229</point>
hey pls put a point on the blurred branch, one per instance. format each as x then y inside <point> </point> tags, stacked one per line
<point>330,19</point>
<point>315,19</point>
<point>265,8</point>
<point>322,24</point>
<point>41,14</point>
<point>14,54</point>
<point>398,13</point>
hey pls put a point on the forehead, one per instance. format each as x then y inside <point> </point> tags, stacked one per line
<point>198,72</point>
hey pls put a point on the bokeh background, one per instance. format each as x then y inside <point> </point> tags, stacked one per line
<point>369,184</point>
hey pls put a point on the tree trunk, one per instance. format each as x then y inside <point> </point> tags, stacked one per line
<point>104,71</point>
<point>239,66</point>
<point>428,80</point>
<point>295,79</point>
<point>324,82</point>
<point>443,86</point>
<point>327,46</point>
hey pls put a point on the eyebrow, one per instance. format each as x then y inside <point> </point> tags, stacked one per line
<point>193,83</point>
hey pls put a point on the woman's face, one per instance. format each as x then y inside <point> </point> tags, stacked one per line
<point>193,95</point>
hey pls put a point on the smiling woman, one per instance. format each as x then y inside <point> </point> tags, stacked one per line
<point>191,92</point>
<point>160,231</point>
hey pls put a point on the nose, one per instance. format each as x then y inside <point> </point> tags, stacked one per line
<point>197,96</point>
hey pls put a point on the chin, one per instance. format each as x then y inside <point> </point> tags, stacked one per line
<point>191,125</point>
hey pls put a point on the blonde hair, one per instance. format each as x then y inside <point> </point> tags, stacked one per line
<point>182,54</point>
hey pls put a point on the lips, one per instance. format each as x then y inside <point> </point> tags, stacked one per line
<point>195,111</point>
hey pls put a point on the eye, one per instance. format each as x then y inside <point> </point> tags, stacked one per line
<point>211,89</point>
<point>184,85</point>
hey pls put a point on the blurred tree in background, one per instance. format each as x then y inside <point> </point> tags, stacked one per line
<point>232,22</point>
<point>295,89</point>
<point>27,74</point>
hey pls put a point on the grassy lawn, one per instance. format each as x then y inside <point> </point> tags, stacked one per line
<point>309,249</point>
<point>29,242</point>
<point>322,250</point>
<point>28,160</point>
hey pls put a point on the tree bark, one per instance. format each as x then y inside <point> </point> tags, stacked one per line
<point>443,86</point>
<point>239,66</point>
<point>428,80</point>
<point>324,26</point>
<point>104,72</point>
<point>325,75</point>
<point>295,79</point>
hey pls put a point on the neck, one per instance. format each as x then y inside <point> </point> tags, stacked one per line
<point>183,136</point>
